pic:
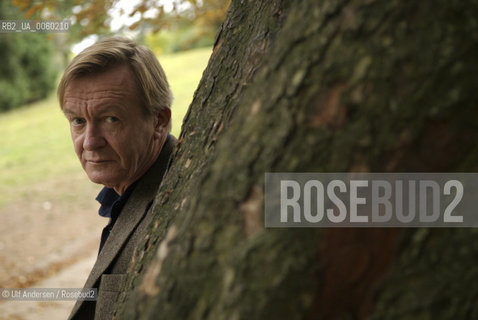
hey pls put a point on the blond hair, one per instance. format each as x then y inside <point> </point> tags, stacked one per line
<point>153,87</point>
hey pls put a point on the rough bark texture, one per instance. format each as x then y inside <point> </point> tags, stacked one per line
<point>324,86</point>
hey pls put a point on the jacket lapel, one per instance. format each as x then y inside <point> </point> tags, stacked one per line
<point>131,215</point>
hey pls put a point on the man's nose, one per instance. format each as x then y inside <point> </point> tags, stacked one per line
<point>93,138</point>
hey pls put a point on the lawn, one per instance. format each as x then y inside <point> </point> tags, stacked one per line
<point>37,159</point>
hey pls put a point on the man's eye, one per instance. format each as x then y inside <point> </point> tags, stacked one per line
<point>111,119</point>
<point>77,121</point>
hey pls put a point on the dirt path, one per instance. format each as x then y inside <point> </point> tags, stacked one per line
<point>48,243</point>
<point>40,236</point>
<point>73,276</point>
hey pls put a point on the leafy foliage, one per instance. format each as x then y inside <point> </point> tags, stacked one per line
<point>185,37</point>
<point>94,16</point>
<point>26,71</point>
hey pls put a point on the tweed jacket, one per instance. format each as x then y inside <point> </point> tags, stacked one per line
<point>112,263</point>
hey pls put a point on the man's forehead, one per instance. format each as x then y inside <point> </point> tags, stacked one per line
<point>97,102</point>
<point>95,93</point>
<point>117,78</point>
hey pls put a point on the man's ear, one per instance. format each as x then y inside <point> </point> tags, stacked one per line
<point>161,122</point>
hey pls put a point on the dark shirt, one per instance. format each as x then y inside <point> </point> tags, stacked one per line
<point>111,206</point>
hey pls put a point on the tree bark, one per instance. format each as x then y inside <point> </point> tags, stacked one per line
<point>316,86</point>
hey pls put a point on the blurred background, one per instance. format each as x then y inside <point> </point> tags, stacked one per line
<point>49,226</point>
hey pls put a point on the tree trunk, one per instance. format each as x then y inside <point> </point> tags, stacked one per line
<point>316,86</point>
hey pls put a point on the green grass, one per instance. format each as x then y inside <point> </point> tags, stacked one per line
<point>184,70</point>
<point>36,152</point>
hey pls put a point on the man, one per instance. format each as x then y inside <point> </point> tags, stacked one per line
<point>117,100</point>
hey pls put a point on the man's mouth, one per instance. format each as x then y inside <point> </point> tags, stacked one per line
<point>97,162</point>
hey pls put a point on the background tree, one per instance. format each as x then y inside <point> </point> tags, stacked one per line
<point>94,16</point>
<point>193,23</point>
<point>26,72</point>
<point>329,86</point>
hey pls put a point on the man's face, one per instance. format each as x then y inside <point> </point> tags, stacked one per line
<point>113,138</point>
